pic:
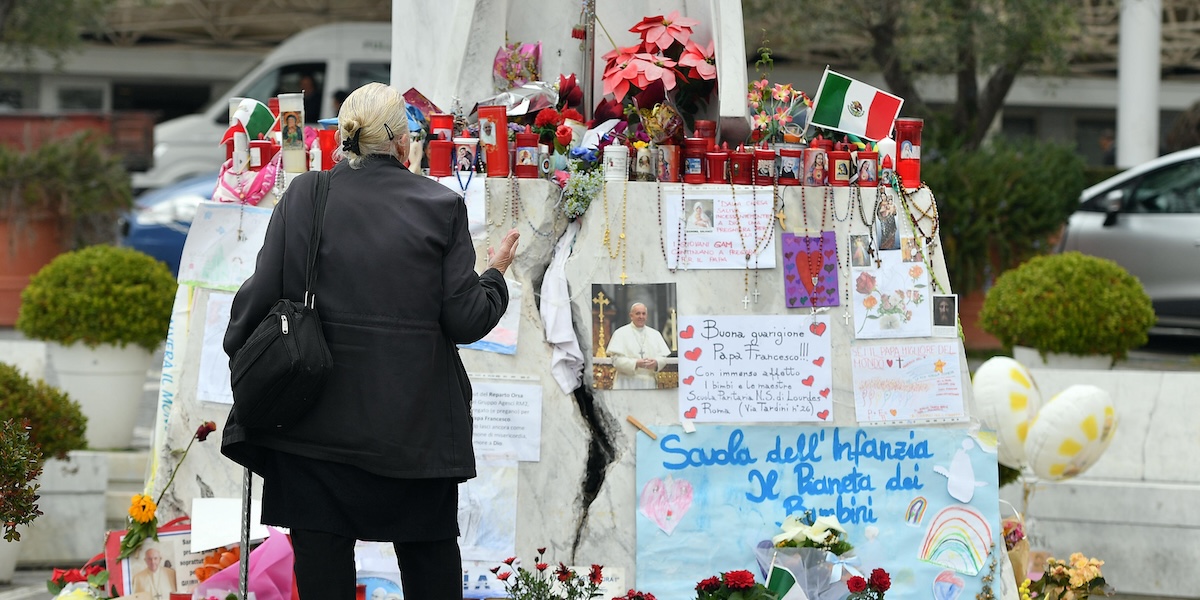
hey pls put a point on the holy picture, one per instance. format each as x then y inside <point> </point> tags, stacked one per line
<point>633,337</point>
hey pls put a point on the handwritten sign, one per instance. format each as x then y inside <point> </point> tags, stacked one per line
<point>755,368</point>
<point>724,491</point>
<point>718,227</point>
<point>508,419</point>
<point>502,339</point>
<point>213,384</point>
<point>222,245</point>
<point>907,383</point>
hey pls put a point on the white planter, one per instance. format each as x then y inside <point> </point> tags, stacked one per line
<point>9,551</point>
<point>1030,358</point>
<point>108,383</point>
<point>71,528</point>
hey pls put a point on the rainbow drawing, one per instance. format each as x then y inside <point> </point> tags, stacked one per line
<point>916,511</point>
<point>958,539</point>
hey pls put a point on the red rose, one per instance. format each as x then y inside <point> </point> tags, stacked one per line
<point>595,576</point>
<point>205,428</point>
<point>504,576</point>
<point>57,576</point>
<point>711,584</point>
<point>74,576</point>
<point>739,580</point>
<point>856,584</point>
<point>880,580</point>
<point>563,135</point>
<point>865,284</point>
<point>93,570</point>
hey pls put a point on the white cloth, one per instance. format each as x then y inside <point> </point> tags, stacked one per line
<point>566,359</point>
<point>630,344</point>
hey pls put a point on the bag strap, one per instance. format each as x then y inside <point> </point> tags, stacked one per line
<point>321,189</point>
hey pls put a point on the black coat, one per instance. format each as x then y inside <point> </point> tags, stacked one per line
<point>396,289</point>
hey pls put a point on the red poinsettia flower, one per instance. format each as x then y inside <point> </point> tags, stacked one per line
<point>660,32</point>
<point>617,58</point>
<point>711,584</point>
<point>739,580</point>
<point>607,109</point>
<point>856,584</point>
<point>701,59</point>
<point>880,580</point>
<point>569,92</point>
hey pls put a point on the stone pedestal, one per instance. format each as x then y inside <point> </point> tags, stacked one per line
<point>71,528</point>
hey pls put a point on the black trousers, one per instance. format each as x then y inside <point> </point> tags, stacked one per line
<point>325,567</point>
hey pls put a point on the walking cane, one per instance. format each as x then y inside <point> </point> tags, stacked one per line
<point>244,560</point>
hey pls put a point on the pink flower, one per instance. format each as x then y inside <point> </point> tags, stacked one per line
<point>702,60</point>
<point>762,120</point>
<point>782,92</point>
<point>783,116</point>
<point>661,32</point>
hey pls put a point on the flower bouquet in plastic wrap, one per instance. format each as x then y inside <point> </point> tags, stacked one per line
<point>815,553</point>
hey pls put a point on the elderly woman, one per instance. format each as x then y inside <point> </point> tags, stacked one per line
<point>381,454</point>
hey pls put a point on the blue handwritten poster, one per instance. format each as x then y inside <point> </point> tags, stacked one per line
<point>708,499</point>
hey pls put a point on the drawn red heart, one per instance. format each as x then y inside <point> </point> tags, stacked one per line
<point>807,380</point>
<point>823,415</point>
<point>824,393</point>
<point>829,253</point>
<point>690,413</point>
<point>790,278</point>
<point>689,379</point>
<point>809,265</point>
<point>692,354</point>
<point>820,289</point>
<point>819,361</point>
<point>687,333</point>
<point>889,361</point>
<point>788,255</point>
<point>817,328</point>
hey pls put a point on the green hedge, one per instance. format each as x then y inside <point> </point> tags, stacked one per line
<point>1001,205</point>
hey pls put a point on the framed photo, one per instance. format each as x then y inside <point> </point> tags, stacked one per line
<point>158,568</point>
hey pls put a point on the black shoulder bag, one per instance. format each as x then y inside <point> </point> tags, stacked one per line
<point>278,374</point>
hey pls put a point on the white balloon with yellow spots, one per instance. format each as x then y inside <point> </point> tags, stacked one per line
<point>1070,432</point>
<point>1007,399</point>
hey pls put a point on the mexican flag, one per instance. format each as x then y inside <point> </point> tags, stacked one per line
<point>781,581</point>
<point>851,106</point>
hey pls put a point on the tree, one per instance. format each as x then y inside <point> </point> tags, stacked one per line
<point>1185,131</point>
<point>983,44</point>
<point>49,26</point>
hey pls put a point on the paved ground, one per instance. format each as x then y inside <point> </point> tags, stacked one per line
<point>1164,354</point>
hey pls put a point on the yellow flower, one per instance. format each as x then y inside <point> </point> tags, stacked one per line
<point>141,508</point>
<point>640,144</point>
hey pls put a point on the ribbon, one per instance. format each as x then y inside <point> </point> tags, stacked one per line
<point>838,563</point>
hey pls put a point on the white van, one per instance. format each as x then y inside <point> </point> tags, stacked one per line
<point>339,56</point>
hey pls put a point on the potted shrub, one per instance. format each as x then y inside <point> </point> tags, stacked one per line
<point>102,311</point>
<point>1069,304</point>
<point>37,421</point>
<point>57,195</point>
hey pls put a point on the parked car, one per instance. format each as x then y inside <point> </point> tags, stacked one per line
<point>1147,219</point>
<point>159,222</point>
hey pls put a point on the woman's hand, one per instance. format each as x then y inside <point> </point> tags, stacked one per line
<point>500,259</point>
